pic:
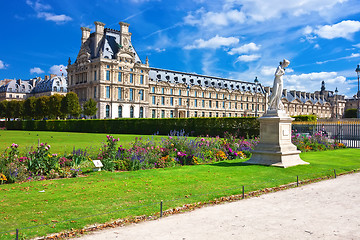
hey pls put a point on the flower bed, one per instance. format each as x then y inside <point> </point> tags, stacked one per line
<point>177,149</point>
<point>317,142</point>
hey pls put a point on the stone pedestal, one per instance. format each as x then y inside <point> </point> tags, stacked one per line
<point>275,147</point>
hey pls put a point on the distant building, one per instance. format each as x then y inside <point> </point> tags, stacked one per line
<point>352,103</point>
<point>22,89</point>
<point>323,103</point>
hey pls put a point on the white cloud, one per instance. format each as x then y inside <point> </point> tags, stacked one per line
<point>208,63</point>
<point>329,77</point>
<point>260,10</point>
<point>38,6</point>
<point>160,49</point>
<point>224,18</point>
<point>344,29</point>
<point>357,45</point>
<point>36,70</point>
<point>53,17</point>
<point>3,65</point>
<point>248,58</point>
<point>42,11</point>
<point>246,48</point>
<point>311,82</point>
<point>353,55</point>
<point>215,42</point>
<point>58,70</point>
<point>267,70</point>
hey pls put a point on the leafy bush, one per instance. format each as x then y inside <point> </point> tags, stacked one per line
<point>305,118</point>
<point>350,113</point>
<point>242,126</point>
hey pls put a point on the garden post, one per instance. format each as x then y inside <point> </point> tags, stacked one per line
<point>161,206</point>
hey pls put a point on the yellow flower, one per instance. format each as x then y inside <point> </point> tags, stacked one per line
<point>221,154</point>
<point>3,177</point>
<point>241,154</point>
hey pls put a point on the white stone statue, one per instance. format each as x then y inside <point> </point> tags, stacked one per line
<point>275,97</point>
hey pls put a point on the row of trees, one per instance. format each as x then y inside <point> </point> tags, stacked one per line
<point>53,107</point>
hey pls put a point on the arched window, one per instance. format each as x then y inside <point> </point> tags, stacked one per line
<point>141,114</point>
<point>131,112</point>
<point>120,111</point>
<point>107,111</point>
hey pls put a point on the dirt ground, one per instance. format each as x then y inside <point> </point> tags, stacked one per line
<point>325,210</point>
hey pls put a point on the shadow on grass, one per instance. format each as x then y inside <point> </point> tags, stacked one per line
<point>230,164</point>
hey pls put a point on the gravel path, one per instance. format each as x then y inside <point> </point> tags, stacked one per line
<point>325,210</point>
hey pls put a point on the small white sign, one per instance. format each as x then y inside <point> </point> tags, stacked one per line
<point>98,163</point>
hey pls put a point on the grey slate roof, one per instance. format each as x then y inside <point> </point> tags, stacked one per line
<point>17,86</point>
<point>190,79</point>
<point>55,84</point>
<point>109,45</point>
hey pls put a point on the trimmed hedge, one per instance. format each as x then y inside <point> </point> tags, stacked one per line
<point>350,113</point>
<point>244,126</point>
<point>305,118</point>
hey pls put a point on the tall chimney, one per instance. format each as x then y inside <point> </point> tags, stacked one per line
<point>85,34</point>
<point>285,92</point>
<point>124,30</point>
<point>99,33</point>
<point>303,95</point>
<point>267,90</point>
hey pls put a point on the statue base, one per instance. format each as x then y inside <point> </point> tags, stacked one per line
<point>275,147</point>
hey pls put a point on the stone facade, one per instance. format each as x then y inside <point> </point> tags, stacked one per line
<point>109,70</point>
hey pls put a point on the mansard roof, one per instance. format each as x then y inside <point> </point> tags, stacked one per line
<point>55,84</point>
<point>17,86</point>
<point>109,46</point>
<point>192,79</point>
<point>293,96</point>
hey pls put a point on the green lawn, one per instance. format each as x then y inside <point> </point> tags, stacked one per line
<point>76,202</point>
<point>61,141</point>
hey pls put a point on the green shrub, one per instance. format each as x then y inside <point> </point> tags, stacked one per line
<point>350,113</point>
<point>244,126</point>
<point>305,118</point>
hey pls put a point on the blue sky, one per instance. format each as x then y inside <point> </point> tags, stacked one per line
<point>237,39</point>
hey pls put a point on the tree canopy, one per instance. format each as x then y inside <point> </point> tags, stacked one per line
<point>89,108</point>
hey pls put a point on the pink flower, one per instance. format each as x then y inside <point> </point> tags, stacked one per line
<point>41,144</point>
<point>48,146</point>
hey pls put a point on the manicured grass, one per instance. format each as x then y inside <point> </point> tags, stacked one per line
<point>74,203</point>
<point>60,141</point>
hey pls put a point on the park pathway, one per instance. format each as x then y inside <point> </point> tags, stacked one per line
<point>325,210</point>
